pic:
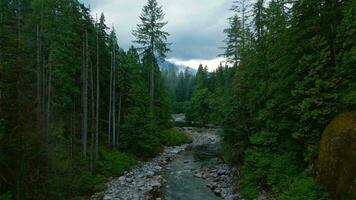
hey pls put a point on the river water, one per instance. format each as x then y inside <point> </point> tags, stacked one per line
<point>181,182</point>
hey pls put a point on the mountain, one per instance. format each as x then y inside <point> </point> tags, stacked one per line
<point>169,66</point>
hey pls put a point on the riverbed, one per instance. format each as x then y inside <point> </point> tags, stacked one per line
<point>182,182</point>
<point>192,171</point>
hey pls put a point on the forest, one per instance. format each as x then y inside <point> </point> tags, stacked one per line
<point>76,108</point>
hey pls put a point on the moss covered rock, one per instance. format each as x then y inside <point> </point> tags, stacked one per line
<point>336,164</point>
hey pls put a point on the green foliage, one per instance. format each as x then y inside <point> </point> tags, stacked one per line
<point>45,46</point>
<point>149,34</point>
<point>180,107</point>
<point>86,182</point>
<point>6,196</point>
<point>114,163</point>
<point>200,106</point>
<point>172,137</point>
<point>301,188</point>
<point>210,102</point>
<point>233,41</point>
<point>231,152</point>
<point>262,168</point>
<point>281,102</point>
<point>350,100</point>
<point>140,137</point>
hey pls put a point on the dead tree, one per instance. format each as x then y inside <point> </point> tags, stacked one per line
<point>97,96</point>
<point>85,95</point>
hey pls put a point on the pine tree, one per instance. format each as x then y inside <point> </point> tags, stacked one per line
<point>151,38</point>
<point>243,9</point>
<point>234,40</point>
<point>346,60</point>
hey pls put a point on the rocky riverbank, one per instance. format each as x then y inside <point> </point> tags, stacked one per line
<point>141,183</point>
<point>146,181</point>
<point>219,179</point>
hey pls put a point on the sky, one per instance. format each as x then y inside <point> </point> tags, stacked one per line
<point>195,26</point>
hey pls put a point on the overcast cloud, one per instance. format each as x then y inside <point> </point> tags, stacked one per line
<point>196,26</point>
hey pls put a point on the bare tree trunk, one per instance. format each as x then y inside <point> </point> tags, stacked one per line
<point>38,73</point>
<point>48,116</point>
<point>92,131</point>
<point>152,91</point>
<point>20,185</point>
<point>110,101</point>
<point>85,95</point>
<point>72,131</point>
<point>97,97</point>
<point>119,121</point>
<point>243,24</point>
<point>114,99</point>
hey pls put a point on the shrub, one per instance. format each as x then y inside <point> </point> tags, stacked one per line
<point>172,137</point>
<point>87,182</point>
<point>267,170</point>
<point>180,107</point>
<point>302,188</point>
<point>113,163</point>
<point>6,196</point>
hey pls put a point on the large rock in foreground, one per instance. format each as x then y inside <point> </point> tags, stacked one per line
<point>336,164</point>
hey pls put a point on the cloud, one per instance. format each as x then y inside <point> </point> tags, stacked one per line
<point>212,64</point>
<point>196,26</point>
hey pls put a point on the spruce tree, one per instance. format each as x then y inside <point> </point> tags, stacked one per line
<point>234,38</point>
<point>151,38</point>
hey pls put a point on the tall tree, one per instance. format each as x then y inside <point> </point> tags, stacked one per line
<point>97,111</point>
<point>243,9</point>
<point>85,94</point>
<point>234,38</point>
<point>152,38</point>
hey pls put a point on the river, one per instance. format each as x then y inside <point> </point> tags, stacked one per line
<point>198,167</point>
<point>182,183</point>
<point>189,172</point>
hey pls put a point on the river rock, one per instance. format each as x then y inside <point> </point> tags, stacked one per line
<point>140,183</point>
<point>220,180</point>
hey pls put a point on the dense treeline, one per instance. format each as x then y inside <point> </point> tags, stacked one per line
<point>180,87</point>
<point>293,71</point>
<point>202,95</point>
<point>75,107</point>
<point>211,93</point>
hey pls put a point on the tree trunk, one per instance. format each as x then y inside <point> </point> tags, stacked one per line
<point>110,99</point>
<point>119,121</point>
<point>152,93</point>
<point>85,95</point>
<point>114,99</point>
<point>38,74</point>
<point>97,97</point>
<point>92,130</point>
<point>49,87</point>
<point>243,24</point>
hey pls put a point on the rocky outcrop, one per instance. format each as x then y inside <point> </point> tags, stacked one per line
<point>336,164</point>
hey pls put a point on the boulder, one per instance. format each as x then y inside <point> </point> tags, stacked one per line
<point>336,164</point>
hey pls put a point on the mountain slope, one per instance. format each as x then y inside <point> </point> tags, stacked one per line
<point>169,66</point>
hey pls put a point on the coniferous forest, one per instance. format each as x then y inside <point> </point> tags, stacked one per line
<point>76,108</point>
